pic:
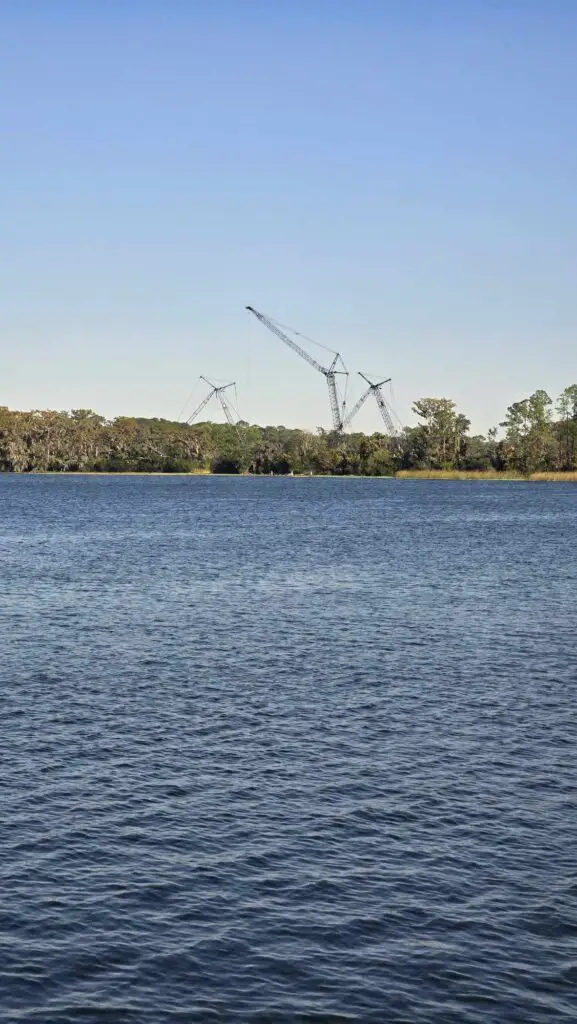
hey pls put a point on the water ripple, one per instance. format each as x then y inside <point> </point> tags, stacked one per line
<point>287,751</point>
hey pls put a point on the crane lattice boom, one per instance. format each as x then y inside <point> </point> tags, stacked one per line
<point>199,408</point>
<point>358,405</point>
<point>287,340</point>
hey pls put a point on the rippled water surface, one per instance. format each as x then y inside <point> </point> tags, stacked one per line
<point>287,750</point>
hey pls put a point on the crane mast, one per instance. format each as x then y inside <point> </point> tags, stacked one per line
<point>337,412</point>
<point>329,372</point>
<point>375,389</point>
<point>226,408</point>
<point>387,419</point>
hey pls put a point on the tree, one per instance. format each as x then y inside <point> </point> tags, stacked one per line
<point>529,438</point>
<point>567,428</point>
<point>442,438</point>
<point>478,453</point>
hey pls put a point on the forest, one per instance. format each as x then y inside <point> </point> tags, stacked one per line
<point>537,434</point>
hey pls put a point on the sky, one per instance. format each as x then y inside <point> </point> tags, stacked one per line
<point>394,178</point>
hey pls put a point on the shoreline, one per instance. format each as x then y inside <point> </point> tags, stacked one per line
<point>459,476</point>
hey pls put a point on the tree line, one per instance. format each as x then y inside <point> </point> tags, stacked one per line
<point>536,435</point>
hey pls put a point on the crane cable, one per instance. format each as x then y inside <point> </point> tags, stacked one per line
<point>187,403</point>
<point>236,408</point>
<point>305,337</point>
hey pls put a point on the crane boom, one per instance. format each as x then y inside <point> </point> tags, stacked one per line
<point>284,337</point>
<point>199,408</point>
<point>356,407</point>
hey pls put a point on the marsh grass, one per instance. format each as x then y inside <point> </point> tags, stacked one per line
<point>455,474</point>
<point>552,478</point>
<point>483,474</point>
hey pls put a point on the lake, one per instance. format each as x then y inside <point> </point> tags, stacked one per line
<point>286,750</point>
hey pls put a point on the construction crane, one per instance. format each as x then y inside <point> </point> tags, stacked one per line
<point>329,372</point>
<point>219,392</point>
<point>373,389</point>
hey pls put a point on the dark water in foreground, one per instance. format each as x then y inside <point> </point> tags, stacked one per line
<point>300,750</point>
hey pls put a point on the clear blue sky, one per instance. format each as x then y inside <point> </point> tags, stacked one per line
<point>393,177</point>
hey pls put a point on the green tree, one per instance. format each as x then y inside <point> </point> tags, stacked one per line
<point>442,438</point>
<point>567,428</point>
<point>529,441</point>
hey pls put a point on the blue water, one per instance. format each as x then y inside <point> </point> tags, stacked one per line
<point>287,750</point>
